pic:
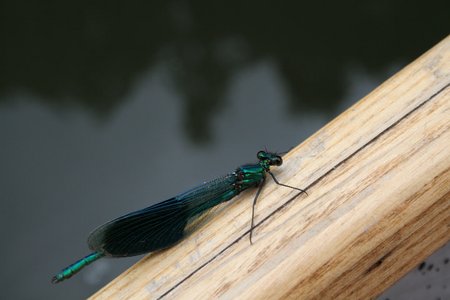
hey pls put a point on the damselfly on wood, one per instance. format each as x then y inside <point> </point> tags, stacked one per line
<point>164,224</point>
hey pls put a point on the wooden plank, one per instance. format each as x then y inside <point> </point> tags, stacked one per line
<point>378,178</point>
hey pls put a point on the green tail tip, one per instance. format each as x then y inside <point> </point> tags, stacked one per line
<point>57,278</point>
<point>76,267</point>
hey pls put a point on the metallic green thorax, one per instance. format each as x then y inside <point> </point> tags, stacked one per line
<point>253,175</point>
<point>249,176</point>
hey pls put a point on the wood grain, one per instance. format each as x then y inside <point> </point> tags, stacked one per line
<point>378,179</point>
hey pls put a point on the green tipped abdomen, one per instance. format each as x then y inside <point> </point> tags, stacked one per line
<point>76,267</point>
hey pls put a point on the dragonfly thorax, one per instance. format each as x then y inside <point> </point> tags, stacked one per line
<point>249,176</point>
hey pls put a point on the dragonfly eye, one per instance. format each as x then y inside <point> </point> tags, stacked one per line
<point>277,161</point>
<point>261,155</point>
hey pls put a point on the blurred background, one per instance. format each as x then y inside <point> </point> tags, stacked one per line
<point>108,107</point>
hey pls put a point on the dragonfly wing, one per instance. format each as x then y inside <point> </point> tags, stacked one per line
<point>142,231</point>
<point>160,225</point>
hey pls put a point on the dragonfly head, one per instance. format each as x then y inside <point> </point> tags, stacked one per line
<point>269,159</point>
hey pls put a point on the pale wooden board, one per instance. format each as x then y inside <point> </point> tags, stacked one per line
<point>378,183</point>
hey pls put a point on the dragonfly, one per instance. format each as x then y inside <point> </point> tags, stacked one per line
<point>162,225</point>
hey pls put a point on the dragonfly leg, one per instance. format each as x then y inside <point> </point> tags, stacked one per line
<point>260,186</point>
<point>285,185</point>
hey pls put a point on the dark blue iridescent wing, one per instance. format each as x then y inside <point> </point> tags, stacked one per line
<point>160,225</point>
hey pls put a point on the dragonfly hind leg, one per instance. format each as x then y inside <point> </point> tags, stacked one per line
<point>252,225</point>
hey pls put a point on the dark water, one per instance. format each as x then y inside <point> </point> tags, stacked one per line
<point>110,107</point>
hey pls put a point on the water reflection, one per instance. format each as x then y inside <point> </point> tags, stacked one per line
<point>86,54</point>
